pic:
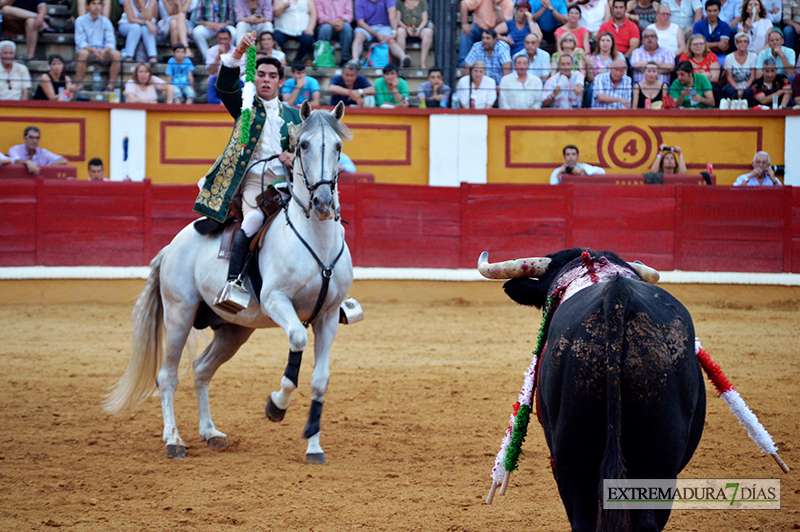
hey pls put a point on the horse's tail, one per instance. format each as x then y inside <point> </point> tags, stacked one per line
<point>615,305</point>
<point>139,380</point>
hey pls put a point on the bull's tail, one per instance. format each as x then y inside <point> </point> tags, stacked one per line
<point>615,305</point>
<point>147,355</point>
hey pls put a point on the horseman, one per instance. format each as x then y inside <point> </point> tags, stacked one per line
<point>247,165</point>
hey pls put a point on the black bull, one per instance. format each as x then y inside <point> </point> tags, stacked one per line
<point>620,392</point>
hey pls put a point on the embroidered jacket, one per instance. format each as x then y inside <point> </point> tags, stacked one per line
<point>226,176</point>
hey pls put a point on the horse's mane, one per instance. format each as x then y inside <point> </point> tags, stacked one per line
<point>319,119</point>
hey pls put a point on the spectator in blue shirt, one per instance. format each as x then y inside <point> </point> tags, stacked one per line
<point>550,15</point>
<point>495,53</point>
<point>716,31</point>
<point>180,70</point>
<point>300,88</point>
<point>95,40</point>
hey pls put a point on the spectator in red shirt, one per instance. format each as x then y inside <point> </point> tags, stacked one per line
<point>625,32</point>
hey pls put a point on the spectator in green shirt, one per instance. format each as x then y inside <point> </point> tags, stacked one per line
<point>391,90</point>
<point>690,89</point>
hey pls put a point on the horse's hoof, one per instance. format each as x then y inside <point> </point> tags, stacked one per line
<point>316,459</point>
<point>176,451</point>
<point>273,412</point>
<point>217,442</point>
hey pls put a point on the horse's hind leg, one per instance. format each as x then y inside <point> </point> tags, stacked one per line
<point>178,325</point>
<point>227,341</point>
<point>324,332</point>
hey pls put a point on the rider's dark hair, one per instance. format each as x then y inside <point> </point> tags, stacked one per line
<point>271,61</point>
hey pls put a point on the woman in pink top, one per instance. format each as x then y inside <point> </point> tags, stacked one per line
<point>601,59</point>
<point>572,26</point>
<point>143,86</point>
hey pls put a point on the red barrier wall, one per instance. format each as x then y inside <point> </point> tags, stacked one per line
<point>71,223</point>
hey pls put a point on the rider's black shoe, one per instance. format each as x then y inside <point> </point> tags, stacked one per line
<point>234,297</point>
<point>239,249</point>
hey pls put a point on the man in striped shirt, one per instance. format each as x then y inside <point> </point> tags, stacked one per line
<point>612,89</point>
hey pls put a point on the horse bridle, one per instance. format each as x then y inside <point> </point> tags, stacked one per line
<point>322,181</point>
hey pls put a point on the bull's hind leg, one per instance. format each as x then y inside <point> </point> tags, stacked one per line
<point>178,325</point>
<point>280,310</point>
<point>227,341</point>
<point>324,332</point>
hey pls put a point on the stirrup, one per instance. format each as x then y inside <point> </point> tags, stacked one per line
<point>233,298</point>
<point>350,311</point>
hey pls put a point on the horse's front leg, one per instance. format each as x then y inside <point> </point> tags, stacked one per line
<point>280,310</point>
<point>324,332</point>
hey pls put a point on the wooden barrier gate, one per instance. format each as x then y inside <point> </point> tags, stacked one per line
<point>669,227</point>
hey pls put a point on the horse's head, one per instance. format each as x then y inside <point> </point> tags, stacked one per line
<point>316,164</point>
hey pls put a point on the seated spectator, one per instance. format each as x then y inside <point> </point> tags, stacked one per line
<point>174,23</point>
<point>390,89</point>
<point>756,24</point>
<point>567,45</point>
<point>666,161</point>
<point>266,46</point>
<point>670,35</point>
<point>716,31</point>
<point>413,25</point>
<point>513,31</point>
<point>143,86</point>
<point>650,88</point>
<point>690,89</point>
<point>704,62</point>
<point>31,155</point>
<point>761,175</point>
<point>476,90</point>
<point>791,22</point>
<point>297,20</point>
<point>772,89</point>
<point>573,26</point>
<point>111,10</point>
<point>642,12</point>
<point>28,16</point>
<point>95,41</point>
<point>740,71</point>
<point>300,88</point>
<point>484,16</point>
<point>376,21</point>
<point>350,87</point>
<point>208,18</point>
<point>138,23</point>
<point>180,71</point>
<point>731,13</point>
<point>434,92</point>
<point>684,13</point>
<point>252,15</point>
<point>346,163</point>
<point>784,57</point>
<point>494,53</point>
<point>606,53</point>
<point>336,16</point>
<point>96,170</point>
<point>15,80</point>
<point>774,11</point>
<point>520,89</point>
<point>612,89</point>
<point>593,14</point>
<point>539,59</point>
<point>571,166</point>
<point>651,52</point>
<point>625,32</point>
<point>53,84</point>
<point>215,53</point>
<point>564,89</point>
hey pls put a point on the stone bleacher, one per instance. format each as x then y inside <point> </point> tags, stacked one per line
<point>62,43</point>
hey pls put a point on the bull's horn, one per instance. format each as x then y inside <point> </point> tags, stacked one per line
<point>512,269</point>
<point>648,274</point>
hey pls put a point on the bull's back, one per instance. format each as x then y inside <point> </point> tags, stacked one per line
<point>661,386</point>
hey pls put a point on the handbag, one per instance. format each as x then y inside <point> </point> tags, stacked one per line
<point>668,102</point>
<point>378,56</point>
<point>323,55</point>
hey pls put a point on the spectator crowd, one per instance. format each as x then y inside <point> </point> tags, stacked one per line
<point>528,54</point>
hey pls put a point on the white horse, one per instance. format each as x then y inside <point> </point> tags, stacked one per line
<point>302,247</point>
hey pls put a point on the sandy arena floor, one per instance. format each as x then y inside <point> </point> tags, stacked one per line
<point>419,398</point>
